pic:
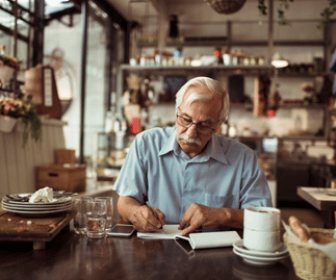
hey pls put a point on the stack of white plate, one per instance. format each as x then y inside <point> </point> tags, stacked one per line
<point>39,208</point>
<point>257,257</point>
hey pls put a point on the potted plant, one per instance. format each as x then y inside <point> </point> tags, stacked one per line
<point>8,64</point>
<point>13,109</point>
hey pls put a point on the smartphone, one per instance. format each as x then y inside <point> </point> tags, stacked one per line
<point>121,230</point>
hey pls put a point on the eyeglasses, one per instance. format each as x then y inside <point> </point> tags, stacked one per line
<point>202,128</point>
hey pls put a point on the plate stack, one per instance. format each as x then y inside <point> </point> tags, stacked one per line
<point>258,257</point>
<point>13,205</point>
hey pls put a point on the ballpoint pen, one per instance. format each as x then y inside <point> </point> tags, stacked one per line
<point>154,213</point>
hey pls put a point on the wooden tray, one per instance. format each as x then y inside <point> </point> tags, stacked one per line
<point>37,230</point>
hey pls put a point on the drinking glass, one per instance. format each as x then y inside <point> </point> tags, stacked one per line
<point>81,207</point>
<point>96,219</point>
<point>108,210</point>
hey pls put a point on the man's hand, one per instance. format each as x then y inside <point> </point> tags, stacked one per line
<point>199,215</point>
<point>143,219</point>
<point>140,216</point>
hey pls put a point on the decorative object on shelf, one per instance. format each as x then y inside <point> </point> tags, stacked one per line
<point>40,84</point>
<point>218,54</point>
<point>24,110</point>
<point>274,102</point>
<point>226,6</point>
<point>325,94</point>
<point>262,88</point>
<point>226,58</point>
<point>309,98</point>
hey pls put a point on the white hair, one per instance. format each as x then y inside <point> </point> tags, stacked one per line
<point>209,88</point>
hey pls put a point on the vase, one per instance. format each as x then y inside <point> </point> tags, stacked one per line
<point>6,73</point>
<point>7,123</point>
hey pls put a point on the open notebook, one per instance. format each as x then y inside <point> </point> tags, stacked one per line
<point>201,240</point>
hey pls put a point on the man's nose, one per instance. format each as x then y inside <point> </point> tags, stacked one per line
<point>192,131</point>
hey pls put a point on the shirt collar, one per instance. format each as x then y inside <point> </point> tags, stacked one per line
<point>170,144</point>
<point>213,149</point>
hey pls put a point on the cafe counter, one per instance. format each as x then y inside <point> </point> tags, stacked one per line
<point>72,256</point>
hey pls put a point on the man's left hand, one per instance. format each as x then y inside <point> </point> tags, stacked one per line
<point>199,215</point>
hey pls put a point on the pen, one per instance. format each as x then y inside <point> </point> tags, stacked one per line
<point>154,213</point>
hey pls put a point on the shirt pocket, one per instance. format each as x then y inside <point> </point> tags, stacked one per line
<point>216,201</point>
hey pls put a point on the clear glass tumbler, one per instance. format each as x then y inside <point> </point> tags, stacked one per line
<point>81,207</point>
<point>96,219</point>
<point>109,210</point>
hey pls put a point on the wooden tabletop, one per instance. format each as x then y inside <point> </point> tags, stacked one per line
<point>318,197</point>
<point>72,256</point>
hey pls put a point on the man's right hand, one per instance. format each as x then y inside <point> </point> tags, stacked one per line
<point>139,215</point>
<point>144,220</point>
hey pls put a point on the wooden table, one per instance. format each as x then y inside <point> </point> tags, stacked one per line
<point>72,256</point>
<point>318,198</point>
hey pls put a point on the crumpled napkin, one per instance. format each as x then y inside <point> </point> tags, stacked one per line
<point>42,195</point>
<point>329,249</point>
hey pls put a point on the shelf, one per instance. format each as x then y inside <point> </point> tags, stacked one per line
<point>313,106</point>
<point>302,75</point>
<point>241,69</point>
<point>223,41</point>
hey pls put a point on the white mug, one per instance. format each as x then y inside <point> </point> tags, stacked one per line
<point>264,241</point>
<point>262,218</point>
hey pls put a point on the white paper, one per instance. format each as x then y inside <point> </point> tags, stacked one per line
<point>168,232</point>
<point>211,239</point>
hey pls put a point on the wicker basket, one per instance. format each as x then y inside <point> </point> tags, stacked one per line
<point>226,6</point>
<point>309,262</point>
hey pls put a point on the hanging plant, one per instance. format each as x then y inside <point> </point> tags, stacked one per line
<point>282,6</point>
<point>327,13</point>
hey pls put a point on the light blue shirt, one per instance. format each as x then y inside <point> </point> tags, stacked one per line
<point>225,174</point>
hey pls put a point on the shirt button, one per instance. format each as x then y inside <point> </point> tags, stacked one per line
<point>187,186</point>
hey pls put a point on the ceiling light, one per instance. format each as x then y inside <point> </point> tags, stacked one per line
<point>278,61</point>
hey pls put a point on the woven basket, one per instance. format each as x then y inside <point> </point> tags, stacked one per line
<point>309,262</point>
<point>226,6</point>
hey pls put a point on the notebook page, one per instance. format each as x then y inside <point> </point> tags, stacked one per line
<point>168,232</point>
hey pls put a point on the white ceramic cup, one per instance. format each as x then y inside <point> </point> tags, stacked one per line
<point>264,241</point>
<point>262,218</point>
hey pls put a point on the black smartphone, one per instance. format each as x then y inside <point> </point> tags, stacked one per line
<point>121,230</point>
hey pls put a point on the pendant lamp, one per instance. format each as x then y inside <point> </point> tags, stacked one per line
<point>226,6</point>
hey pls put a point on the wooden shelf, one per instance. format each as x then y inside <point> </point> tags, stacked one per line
<point>241,69</point>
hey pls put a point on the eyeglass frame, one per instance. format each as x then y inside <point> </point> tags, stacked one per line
<point>197,125</point>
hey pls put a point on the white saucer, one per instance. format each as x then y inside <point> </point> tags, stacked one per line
<point>255,260</point>
<point>239,246</point>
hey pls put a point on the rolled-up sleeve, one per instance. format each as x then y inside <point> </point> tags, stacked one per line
<point>132,180</point>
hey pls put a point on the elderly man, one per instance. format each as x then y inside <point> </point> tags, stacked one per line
<point>190,175</point>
